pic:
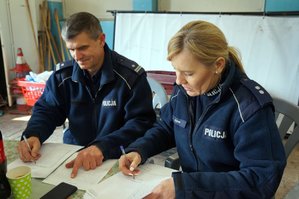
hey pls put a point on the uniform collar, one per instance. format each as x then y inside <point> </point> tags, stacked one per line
<point>227,79</point>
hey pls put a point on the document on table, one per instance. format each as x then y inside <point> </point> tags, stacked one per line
<point>127,187</point>
<point>52,155</point>
<point>84,179</point>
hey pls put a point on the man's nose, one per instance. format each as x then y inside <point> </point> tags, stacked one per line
<point>77,55</point>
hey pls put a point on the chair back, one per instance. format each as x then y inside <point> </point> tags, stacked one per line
<point>166,78</point>
<point>287,120</point>
<point>159,94</point>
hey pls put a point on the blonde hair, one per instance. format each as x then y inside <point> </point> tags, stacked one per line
<point>205,41</point>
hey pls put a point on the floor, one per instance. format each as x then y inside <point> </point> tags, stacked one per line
<point>12,123</point>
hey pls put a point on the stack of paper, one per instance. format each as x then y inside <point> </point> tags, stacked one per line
<point>84,179</point>
<point>52,155</point>
<point>121,186</point>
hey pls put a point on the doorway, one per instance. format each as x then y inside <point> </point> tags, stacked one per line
<point>3,88</point>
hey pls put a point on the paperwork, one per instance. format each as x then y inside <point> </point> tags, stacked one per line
<point>127,187</point>
<point>84,179</point>
<point>52,155</point>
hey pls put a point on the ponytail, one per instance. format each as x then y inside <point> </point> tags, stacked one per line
<point>234,55</point>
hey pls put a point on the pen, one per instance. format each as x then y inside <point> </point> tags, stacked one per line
<point>124,153</point>
<point>28,146</point>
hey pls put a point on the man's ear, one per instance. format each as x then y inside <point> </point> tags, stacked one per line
<point>102,38</point>
<point>219,65</point>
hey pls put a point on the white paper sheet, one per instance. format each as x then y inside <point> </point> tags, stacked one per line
<point>84,179</point>
<point>52,155</point>
<point>127,187</point>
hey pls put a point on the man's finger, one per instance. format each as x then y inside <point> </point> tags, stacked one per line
<point>77,165</point>
<point>98,162</point>
<point>86,164</point>
<point>93,164</point>
<point>74,172</point>
<point>25,154</point>
<point>35,150</point>
<point>70,164</point>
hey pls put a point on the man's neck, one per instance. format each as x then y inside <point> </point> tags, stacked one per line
<point>93,72</point>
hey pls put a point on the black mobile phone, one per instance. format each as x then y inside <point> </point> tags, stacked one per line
<point>61,191</point>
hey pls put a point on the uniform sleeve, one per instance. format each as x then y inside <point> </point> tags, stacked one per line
<point>159,138</point>
<point>139,117</point>
<point>259,150</point>
<point>47,112</point>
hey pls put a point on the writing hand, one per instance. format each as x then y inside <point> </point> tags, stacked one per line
<point>88,158</point>
<point>164,190</point>
<point>128,163</point>
<point>32,154</point>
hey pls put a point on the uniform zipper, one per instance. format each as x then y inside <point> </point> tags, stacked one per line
<point>196,126</point>
<point>94,114</point>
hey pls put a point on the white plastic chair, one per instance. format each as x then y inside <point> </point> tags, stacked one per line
<point>159,94</point>
<point>287,120</point>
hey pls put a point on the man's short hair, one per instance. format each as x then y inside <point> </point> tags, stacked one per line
<point>81,22</point>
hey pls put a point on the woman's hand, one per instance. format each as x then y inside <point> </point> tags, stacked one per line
<point>164,190</point>
<point>128,163</point>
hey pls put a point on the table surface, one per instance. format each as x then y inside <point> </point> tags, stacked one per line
<point>293,193</point>
<point>38,187</point>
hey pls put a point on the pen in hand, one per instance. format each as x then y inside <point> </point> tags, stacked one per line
<point>28,146</point>
<point>124,153</point>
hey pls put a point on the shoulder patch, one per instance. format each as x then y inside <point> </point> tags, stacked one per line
<point>121,60</point>
<point>64,64</point>
<point>262,96</point>
<point>64,70</point>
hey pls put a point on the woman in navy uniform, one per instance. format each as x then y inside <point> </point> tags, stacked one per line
<point>221,122</point>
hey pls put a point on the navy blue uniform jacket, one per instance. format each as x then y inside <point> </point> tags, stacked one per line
<point>119,112</point>
<point>228,144</point>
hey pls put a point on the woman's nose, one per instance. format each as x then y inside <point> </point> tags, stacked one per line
<point>179,78</point>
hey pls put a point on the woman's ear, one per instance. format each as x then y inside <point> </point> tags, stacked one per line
<point>219,65</point>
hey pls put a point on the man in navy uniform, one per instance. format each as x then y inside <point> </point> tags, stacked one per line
<point>105,97</point>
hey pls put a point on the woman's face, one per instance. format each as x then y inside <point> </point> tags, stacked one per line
<point>195,77</point>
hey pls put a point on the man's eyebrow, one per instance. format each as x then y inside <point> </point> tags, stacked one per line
<point>79,47</point>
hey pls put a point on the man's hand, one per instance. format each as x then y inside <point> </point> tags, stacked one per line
<point>88,158</point>
<point>164,190</point>
<point>32,154</point>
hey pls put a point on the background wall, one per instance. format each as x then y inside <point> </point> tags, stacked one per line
<point>15,16</point>
<point>212,5</point>
<point>268,46</point>
<point>97,7</point>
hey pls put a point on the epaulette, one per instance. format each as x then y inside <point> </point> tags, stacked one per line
<point>262,96</point>
<point>64,64</point>
<point>64,69</point>
<point>133,66</point>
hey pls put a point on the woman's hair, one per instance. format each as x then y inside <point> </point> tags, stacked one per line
<point>81,22</point>
<point>205,41</point>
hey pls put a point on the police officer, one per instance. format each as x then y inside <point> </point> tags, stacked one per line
<point>221,122</point>
<point>105,97</point>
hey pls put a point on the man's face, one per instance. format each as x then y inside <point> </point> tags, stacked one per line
<point>88,52</point>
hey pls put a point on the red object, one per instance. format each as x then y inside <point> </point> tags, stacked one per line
<point>21,68</point>
<point>2,153</point>
<point>166,78</point>
<point>31,91</point>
